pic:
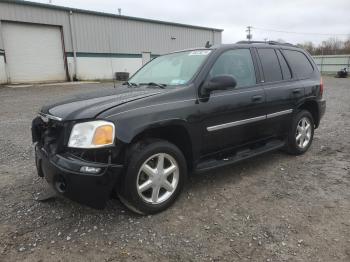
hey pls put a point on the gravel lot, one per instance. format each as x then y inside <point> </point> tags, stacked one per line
<point>274,207</point>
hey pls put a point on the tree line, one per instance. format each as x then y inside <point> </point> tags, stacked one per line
<point>331,46</point>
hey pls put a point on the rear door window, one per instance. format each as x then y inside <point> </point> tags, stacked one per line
<point>299,63</point>
<point>285,69</point>
<point>237,63</point>
<point>271,67</point>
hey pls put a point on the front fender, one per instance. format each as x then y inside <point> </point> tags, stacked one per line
<point>176,131</point>
<point>128,130</point>
<point>132,120</point>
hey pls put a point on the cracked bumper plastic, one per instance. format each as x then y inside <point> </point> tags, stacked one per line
<point>63,173</point>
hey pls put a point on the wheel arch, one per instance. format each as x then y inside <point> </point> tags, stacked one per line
<point>312,107</point>
<point>173,132</point>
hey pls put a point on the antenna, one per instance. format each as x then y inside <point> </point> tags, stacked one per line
<point>207,45</point>
<point>119,11</point>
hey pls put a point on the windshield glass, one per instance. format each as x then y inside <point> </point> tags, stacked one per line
<point>172,69</point>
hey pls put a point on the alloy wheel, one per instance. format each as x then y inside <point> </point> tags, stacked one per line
<point>157,178</point>
<point>303,133</point>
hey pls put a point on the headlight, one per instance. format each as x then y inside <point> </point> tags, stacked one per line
<point>92,134</point>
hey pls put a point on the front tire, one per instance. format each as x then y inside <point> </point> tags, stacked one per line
<point>154,178</point>
<point>301,133</point>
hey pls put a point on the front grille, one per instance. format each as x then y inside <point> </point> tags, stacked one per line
<point>101,155</point>
<point>52,135</point>
<point>49,135</point>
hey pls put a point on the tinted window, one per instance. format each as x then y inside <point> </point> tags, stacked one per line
<point>284,66</point>
<point>301,66</point>
<point>270,64</point>
<point>237,63</point>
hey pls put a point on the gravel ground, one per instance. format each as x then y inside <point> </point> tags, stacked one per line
<point>274,207</point>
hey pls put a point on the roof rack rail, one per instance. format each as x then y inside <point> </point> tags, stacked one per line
<point>263,42</point>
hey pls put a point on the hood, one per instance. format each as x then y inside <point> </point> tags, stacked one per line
<point>89,105</point>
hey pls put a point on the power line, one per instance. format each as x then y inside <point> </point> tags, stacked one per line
<point>300,33</point>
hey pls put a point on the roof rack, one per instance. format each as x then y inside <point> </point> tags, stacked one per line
<point>263,42</point>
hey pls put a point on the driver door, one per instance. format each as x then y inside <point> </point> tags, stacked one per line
<point>235,116</point>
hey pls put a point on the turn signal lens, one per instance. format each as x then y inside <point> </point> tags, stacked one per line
<point>103,135</point>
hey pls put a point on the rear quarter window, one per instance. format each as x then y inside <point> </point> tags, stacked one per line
<point>271,67</point>
<point>285,69</point>
<point>300,64</point>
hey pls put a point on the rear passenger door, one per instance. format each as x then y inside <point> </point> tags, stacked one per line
<point>281,89</point>
<point>305,72</point>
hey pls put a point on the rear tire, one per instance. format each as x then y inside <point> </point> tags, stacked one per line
<point>301,133</point>
<point>155,175</point>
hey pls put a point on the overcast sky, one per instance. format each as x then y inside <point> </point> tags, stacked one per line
<point>319,19</point>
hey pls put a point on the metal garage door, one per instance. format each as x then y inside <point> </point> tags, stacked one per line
<point>33,52</point>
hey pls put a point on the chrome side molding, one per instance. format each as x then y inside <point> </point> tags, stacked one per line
<point>236,123</point>
<point>280,113</point>
<point>248,120</point>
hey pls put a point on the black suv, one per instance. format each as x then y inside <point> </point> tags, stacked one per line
<point>183,112</point>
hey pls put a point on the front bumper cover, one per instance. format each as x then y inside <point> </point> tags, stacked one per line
<point>62,172</point>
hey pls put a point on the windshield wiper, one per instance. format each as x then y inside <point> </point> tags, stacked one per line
<point>154,84</point>
<point>130,84</point>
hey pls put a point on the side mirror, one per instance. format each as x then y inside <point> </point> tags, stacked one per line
<point>220,82</point>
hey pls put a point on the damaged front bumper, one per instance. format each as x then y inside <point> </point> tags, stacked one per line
<point>85,182</point>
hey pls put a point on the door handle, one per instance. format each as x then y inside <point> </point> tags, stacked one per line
<point>297,91</point>
<point>257,98</point>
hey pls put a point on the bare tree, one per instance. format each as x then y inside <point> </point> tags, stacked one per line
<point>308,46</point>
<point>331,46</point>
<point>346,47</point>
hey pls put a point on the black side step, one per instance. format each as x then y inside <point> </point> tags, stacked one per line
<point>239,155</point>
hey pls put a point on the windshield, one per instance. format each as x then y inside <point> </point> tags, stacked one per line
<point>172,69</point>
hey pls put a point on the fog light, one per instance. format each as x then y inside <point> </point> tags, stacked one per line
<point>90,169</point>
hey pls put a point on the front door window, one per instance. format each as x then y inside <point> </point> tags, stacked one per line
<point>237,63</point>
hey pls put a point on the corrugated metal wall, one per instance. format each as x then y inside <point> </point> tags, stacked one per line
<point>110,35</point>
<point>106,34</point>
<point>332,63</point>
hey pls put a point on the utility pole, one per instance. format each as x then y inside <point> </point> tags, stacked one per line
<point>249,35</point>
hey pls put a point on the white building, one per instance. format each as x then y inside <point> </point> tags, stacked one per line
<point>42,42</point>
